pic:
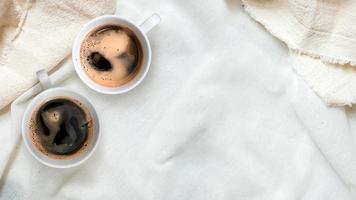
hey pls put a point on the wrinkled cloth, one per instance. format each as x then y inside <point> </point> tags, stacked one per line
<point>219,116</point>
<point>39,35</point>
<point>322,36</point>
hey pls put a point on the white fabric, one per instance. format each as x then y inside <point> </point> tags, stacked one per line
<point>219,116</point>
<point>39,35</point>
<point>322,35</point>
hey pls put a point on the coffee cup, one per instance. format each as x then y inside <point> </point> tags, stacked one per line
<point>67,152</point>
<point>98,25</point>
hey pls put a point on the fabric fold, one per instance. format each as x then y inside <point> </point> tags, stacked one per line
<point>321,35</point>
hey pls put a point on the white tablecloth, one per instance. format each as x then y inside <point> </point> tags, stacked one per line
<point>221,115</point>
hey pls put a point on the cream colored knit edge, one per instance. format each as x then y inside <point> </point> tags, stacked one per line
<point>298,50</point>
<point>326,99</point>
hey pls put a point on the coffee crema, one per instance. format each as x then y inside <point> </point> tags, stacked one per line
<point>111,55</point>
<point>61,128</point>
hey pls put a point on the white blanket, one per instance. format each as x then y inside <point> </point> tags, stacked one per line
<point>221,115</point>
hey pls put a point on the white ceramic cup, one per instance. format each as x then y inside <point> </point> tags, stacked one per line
<point>140,32</point>
<point>48,94</point>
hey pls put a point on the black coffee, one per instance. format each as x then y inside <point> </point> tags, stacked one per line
<point>111,55</point>
<point>62,126</point>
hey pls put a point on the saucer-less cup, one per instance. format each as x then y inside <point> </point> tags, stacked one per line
<point>140,32</point>
<point>48,94</point>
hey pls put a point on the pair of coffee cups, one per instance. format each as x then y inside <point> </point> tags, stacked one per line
<point>51,93</point>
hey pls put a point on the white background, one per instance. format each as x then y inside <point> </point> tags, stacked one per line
<point>221,115</point>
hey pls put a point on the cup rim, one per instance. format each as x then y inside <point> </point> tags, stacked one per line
<point>28,112</point>
<point>90,83</point>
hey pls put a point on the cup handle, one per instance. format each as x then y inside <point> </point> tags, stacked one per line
<point>150,22</point>
<point>43,77</point>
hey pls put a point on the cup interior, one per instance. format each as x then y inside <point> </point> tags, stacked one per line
<point>111,20</point>
<point>39,100</point>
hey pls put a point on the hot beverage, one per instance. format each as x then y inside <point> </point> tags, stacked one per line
<point>111,55</point>
<point>61,128</point>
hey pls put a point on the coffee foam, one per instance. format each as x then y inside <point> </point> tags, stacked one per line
<point>114,44</point>
<point>34,132</point>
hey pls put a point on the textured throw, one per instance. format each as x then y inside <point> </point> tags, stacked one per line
<point>39,35</point>
<point>322,38</point>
